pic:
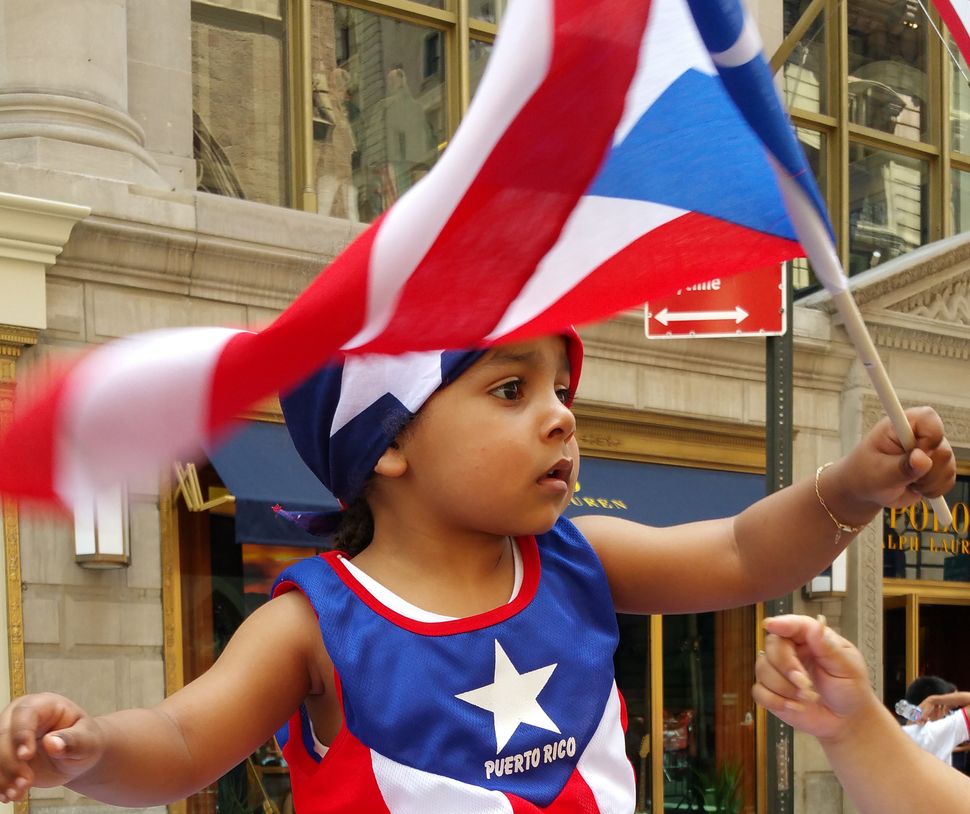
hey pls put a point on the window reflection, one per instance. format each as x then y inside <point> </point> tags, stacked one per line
<point>379,108</point>
<point>887,206</point>
<point>805,70</point>
<point>488,10</point>
<point>814,145</point>
<point>238,105</point>
<point>887,67</point>
<point>959,99</point>
<point>478,54</point>
<point>960,200</point>
<point>632,666</point>
<point>709,717</point>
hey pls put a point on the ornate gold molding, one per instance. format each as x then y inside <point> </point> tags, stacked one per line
<point>12,342</point>
<point>171,587</point>
<point>635,435</point>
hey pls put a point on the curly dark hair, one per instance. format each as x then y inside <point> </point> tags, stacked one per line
<point>356,528</point>
<point>924,686</point>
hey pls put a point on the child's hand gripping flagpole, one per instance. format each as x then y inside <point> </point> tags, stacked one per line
<point>814,237</point>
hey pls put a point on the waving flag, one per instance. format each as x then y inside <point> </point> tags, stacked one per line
<point>604,161</point>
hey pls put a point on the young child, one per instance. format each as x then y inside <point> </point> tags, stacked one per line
<point>457,653</point>
<point>816,681</point>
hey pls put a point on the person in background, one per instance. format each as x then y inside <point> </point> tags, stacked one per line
<point>937,731</point>
<point>817,681</point>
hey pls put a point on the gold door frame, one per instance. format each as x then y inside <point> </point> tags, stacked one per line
<point>12,343</point>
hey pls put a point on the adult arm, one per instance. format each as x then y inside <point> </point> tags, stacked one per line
<point>816,681</point>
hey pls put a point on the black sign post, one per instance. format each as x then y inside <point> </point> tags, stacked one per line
<point>778,474</point>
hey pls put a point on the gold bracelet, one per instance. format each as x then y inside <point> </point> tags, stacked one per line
<point>840,528</point>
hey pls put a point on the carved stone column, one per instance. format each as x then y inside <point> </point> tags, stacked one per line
<point>64,91</point>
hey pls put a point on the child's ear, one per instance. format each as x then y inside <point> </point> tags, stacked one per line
<point>392,464</point>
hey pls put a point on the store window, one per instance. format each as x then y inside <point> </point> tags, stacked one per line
<point>804,73</point>
<point>239,100</point>
<point>478,54</point>
<point>889,102</point>
<point>378,108</point>
<point>916,547</point>
<point>887,80</point>
<point>814,144</point>
<point>489,11</point>
<point>709,716</point>
<point>887,206</point>
<point>960,200</point>
<point>959,99</point>
<point>384,98</point>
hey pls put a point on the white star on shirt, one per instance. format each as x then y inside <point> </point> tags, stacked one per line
<point>511,698</point>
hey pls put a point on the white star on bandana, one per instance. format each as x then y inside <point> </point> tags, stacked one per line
<point>512,698</point>
<point>409,377</point>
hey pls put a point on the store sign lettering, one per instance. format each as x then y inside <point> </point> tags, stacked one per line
<point>920,517</point>
<point>921,527</point>
<point>583,501</point>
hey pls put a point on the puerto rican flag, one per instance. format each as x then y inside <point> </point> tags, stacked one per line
<point>615,151</point>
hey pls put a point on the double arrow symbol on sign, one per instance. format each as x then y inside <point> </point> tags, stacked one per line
<point>665,317</point>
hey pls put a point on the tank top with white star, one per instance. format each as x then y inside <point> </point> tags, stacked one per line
<point>512,711</point>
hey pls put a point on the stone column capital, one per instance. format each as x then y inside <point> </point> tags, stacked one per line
<point>33,232</point>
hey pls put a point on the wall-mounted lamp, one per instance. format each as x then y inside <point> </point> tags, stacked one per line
<point>101,530</point>
<point>832,582</point>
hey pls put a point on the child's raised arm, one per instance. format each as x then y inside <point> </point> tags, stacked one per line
<point>815,680</point>
<point>781,541</point>
<point>143,757</point>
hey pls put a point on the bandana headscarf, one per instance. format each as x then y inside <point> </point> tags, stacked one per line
<point>344,416</point>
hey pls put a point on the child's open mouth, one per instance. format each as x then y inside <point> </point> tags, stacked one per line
<point>559,472</point>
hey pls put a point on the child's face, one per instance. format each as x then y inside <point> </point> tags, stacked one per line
<point>496,451</point>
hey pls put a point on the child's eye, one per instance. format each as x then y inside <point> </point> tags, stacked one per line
<point>562,393</point>
<point>509,391</point>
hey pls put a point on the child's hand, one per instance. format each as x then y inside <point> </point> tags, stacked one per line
<point>879,471</point>
<point>810,677</point>
<point>45,740</point>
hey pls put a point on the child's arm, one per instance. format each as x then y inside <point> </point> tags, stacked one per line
<point>948,701</point>
<point>817,681</point>
<point>143,757</point>
<point>778,543</point>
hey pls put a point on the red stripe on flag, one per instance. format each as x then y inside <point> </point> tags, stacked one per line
<point>28,455</point>
<point>514,209</point>
<point>955,24</point>
<point>575,798</point>
<point>690,249</point>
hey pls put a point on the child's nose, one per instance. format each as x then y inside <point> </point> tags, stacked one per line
<point>561,419</point>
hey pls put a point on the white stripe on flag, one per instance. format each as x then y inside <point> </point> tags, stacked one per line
<point>120,398</point>
<point>604,764</point>
<point>745,48</point>
<point>671,46</point>
<point>516,69</point>
<point>597,229</point>
<point>412,791</point>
